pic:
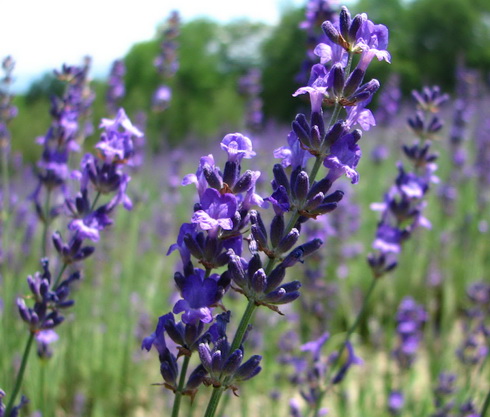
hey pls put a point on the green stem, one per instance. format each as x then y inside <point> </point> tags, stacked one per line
<point>237,341</point>
<point>60,274</point>
<point>351,330</point>
<point>42,386</point>
<point>486,405</point>
<point>214,401</point>
<point>20,375</point>
<point>178,394</point>
<point>92,207</point>
<point>243,326</point>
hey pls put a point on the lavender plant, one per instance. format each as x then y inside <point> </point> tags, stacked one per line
<point>166,62</point>
<point>103,177</point>
<point>115,89</point>
<point>64,136</point>
<point>226,218</point>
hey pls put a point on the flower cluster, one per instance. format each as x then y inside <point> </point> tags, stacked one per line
<point>166,63</point>
<point>316,12</point>
<point>227,220</point>
<point>116,89</point>
<point>402,208</point>
<point>63,136</point>
<point>50,294</point>
<point>250,87</point>
<point>410,319</point>
<point>14,411</point>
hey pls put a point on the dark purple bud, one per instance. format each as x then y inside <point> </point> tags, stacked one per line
<point>294,176</point>
<point>193,247</point>
<point>66,304</point>
<point>168,372</point>
<point>175,331</point>
<point>275,296</point>
<point>57,241</point>
<point>23,310</point>
<point>259,281</point>
<point>331,32</point>
<point>323,209</point>
<point>243,183</point>
<point>303,135</point>
<point>231,173</point>
<point>288,298</point>
<point>237,272</point>
<point>334,197</point>
<point>84,253</point>
<point>316,138</point>
<point>291,286</point>
<point>288,241</point>
<point>338,79</point>
<point>216,362</point>
<point>233,362</point>
<point>317,120</point>
<point>196,378</point>
<point>293,258</point>
<point>314,202</point>
<point>301,186</point>
<point>275,278</point>
<point>335,132</point>
<point>205,356</point>
<point>212,178</point>
<point>344,22</point>
<point>353,82</point>
<point>249,369</point>
<point>302,251</point>
<point>435,125</point>
<point>354,27</point>
<point>253,266</point>
<point>321,186</point>
<point>277,229</point>
<point>259,236</point>
<point>365,91</point>
<point>256,218</point>
<point>280,177</point>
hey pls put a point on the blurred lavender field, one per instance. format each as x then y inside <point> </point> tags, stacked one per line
<point>116,211</point>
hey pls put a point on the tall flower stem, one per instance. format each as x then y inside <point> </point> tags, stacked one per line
<point>348,335</point>
<point>20,375</point>
<point>237,341</point>
<point>178,394</point>
<point>214,401</point>
<point>42,387</point>
<point>60,274</point>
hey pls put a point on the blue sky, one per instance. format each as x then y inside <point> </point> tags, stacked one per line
<point>41,35</point>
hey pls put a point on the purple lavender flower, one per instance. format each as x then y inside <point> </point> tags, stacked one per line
<point>44,339</point>
<point>116,89</point>
<point>351,359</point>
<point>14,411</point>
<point>410,318</point>
<point>217,211</point>
<point>344,156</point>
<point>199,294</point>
<point>238,147</point>
<point>396,401</point>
